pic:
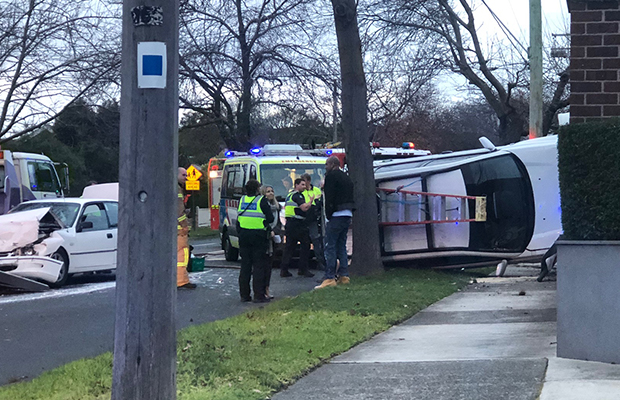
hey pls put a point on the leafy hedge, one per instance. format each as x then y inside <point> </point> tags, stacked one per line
<point>589,164</point>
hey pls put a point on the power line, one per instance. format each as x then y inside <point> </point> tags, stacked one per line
<point>507,31</point>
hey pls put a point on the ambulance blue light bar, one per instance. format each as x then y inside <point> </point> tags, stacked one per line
<point>256,150</point>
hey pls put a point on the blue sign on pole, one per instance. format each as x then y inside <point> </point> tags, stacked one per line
<point>152,66</point>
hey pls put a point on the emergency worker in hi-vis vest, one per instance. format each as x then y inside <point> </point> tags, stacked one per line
<point>314,217</point>
<point>254,217</point>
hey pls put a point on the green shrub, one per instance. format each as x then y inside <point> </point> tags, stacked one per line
<point>589,164</point>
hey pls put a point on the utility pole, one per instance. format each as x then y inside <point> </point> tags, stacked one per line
<point>536,67</point>
<point>145,335</point>
<point>335,110</point>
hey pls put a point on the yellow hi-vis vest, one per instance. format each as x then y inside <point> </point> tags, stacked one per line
<point>290,206</point>
<point>315,191</point>
<point>252,217</point>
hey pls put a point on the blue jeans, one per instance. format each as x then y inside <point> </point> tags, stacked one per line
<point>336,246</point>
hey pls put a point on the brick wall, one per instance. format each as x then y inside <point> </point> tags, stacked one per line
<point>594,59</point>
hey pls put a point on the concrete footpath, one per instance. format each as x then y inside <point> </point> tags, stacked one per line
<point>496,339</point>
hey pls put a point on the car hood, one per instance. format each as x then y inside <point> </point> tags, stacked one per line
<point>23,228</point>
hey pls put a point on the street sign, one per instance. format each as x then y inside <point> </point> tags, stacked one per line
<point>193,174</point>
<point>192,185</point>
<point>152,65</point>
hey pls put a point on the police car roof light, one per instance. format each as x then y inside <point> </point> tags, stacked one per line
<point>255,150</point>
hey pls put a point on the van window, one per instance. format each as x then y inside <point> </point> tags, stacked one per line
<point>232,181</point>
<point>43,177</point>
<point>510,204</point>
<point>282,176</point>
<point>252,172</point>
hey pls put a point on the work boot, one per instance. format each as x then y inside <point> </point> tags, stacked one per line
<point>306,273</point>
<point>343,280</point>
<point>246,299</point>
<point>326,283</point>
<point>285,274</point>
<point>187,286</point>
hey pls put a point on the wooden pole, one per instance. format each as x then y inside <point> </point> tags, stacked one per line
<point>536,70</point>
<point>145,334</point>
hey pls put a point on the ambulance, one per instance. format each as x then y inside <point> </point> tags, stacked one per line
<point>274,164</point>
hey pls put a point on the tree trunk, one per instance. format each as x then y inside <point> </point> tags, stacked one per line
<point>366,250</point>
<point>511,128</point>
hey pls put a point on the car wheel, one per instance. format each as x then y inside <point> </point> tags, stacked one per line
<point>63,275</point>
<point>231,253</point>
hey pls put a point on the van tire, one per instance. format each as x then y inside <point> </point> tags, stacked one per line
<point>231,253</point>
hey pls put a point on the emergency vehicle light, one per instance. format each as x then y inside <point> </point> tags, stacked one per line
<point>255,150</point>
<point>408,145</point>
<point>328,152</point>
<point>213,174</point>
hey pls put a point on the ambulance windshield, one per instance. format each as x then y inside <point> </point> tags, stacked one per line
<point>282,176</point>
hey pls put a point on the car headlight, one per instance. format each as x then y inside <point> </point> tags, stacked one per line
<point>28,251</point>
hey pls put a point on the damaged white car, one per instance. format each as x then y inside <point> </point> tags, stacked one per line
<point>88,229</point>
<point>29,242</point>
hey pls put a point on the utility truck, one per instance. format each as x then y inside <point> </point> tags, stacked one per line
<point>28,176</point>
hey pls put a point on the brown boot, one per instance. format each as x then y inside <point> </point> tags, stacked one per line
<point>326,283</point>
<point>343,280</point>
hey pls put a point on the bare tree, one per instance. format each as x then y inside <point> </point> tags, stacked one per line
<point>498,73</point>
<point>236,55</point>
<point>52,52</point>
<point>366,250</point>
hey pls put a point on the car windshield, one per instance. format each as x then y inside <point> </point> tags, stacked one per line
<point>66,212</point>
<point>282,176</point>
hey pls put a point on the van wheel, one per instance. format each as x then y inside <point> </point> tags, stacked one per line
<point>63,275</point>
<point>231,253</point>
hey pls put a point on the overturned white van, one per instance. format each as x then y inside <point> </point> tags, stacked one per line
<point>520,189</point>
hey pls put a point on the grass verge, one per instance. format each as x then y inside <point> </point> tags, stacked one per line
<point>253,355</point>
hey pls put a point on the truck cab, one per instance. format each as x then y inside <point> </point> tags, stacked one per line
<point>273,165</point>
<point>26,176</point>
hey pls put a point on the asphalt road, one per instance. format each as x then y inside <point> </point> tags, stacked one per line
<point>41,331</point>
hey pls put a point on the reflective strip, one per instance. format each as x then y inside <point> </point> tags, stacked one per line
<point>182,218</point>
<point>185,258</point>
<point>180,195</point>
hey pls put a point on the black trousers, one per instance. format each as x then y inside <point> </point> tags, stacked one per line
<point>253,246</point>
<point>296,232</point>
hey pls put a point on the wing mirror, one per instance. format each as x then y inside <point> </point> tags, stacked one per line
<point>85,225</point>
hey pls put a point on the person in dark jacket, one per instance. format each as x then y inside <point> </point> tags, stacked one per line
<point>339,207</point>
<point>254,216</point>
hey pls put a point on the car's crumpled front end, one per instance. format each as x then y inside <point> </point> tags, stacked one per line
<point>27,241</point>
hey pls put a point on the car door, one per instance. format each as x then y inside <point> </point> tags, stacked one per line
<point>111,208</point>
<point>95,240</point>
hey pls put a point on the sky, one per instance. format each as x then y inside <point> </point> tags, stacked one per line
<point>515,15</point>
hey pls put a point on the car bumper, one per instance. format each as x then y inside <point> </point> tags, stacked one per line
<point>32,267</point>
